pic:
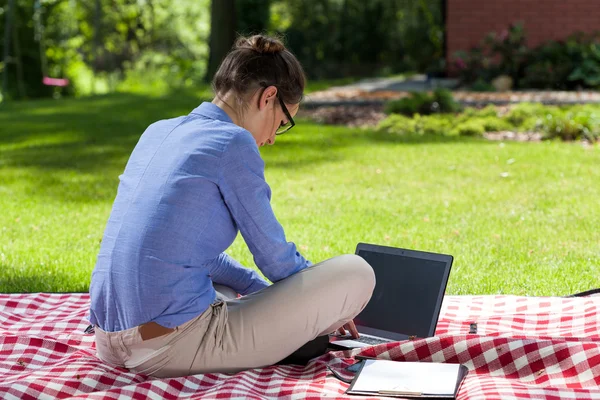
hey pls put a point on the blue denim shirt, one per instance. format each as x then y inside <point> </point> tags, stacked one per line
<point>190,184</point>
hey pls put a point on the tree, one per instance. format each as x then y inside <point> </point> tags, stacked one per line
<point>222,33</point>
<point>252,16</point>
<point>7,32</point>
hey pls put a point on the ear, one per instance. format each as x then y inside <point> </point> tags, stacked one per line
<point>267,98</point>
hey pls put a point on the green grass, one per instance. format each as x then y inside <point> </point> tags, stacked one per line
<point>520,218</point>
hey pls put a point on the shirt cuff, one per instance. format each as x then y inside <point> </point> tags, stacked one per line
<point>256,285</point>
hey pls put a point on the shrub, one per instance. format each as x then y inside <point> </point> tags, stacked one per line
<point>397,124</point>
<point>468,128</point>
<point>471,112</point>
<point>473,65</point>
<point>568,64</point>
<point>414,104</point>
<point>495,124</point>
<point>587,72</point>
<point>566,123</point>
<point>550,65</point>
<point>440,101</point>
<point>445,101</point>
<point>571,124</point>
<point>521,112</point>
<point>481,85</point>
<point>417,125</point>
<point>432,125</point>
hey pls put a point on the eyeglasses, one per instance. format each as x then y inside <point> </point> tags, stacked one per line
<point>290,124</point>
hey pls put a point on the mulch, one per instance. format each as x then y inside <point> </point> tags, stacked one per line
<point>341,95</point>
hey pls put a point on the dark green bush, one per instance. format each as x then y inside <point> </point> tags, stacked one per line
<point>564,65</point>
<point>587,72</point>
<point>440,101</point>
<point>550,65</point>
<point>415,103</point>
<point>481,85</point>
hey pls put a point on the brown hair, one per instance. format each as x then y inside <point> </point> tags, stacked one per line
<point>260,61</point>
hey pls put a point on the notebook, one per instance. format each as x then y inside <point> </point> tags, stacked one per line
<point>408,379</point>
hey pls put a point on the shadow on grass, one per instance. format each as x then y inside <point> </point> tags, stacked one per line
<point>96,135</point>
<point>39,283</point>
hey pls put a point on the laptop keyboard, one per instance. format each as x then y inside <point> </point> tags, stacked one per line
<point>371,340</point>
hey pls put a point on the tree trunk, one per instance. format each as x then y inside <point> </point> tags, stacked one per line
<point>7,32</point>
<point>18,62</point>
<point>222,34</point>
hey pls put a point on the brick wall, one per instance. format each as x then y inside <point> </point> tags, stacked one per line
<point>468,21</point>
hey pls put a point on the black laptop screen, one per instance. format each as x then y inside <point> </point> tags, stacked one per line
<point>406,294</point>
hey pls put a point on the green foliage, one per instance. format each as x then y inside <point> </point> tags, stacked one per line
<point>558,65</point>
<point>99,50</point>
<point>253,16</point>
<point>499,53</point>
<point>566,123</point>
<point>509,47</point>
<point>432,125</point>
<point>121,43</point>
<point>521,112</point>
<point>440,101</point>
<point>24,72</point>
<point>445,101</point>
<point>571,123</point>
<point>416,102</point>
<point>495,124</point>
<point>398,125</point>
<point>482,86</point>
<point>470,112</point>
<point>437,124</point>
<point>472,66</point>
<point>338,38</point>
<point>588,71</point>
<point>468,128</point>
<point>551,64</point>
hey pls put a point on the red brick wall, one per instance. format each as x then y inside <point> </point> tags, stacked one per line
<point>468,21</point>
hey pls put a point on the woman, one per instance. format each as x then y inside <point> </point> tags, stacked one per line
<point>164,295</point>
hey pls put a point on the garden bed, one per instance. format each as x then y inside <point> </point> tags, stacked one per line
<point>520,122</point>
<point>349,96</point>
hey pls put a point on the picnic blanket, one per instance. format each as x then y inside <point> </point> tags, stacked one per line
<point>524,348</point>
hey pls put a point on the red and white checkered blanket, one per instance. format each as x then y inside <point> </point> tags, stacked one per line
<point>531,348</point>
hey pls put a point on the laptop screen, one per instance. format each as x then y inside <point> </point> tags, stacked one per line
<point>407,296</point>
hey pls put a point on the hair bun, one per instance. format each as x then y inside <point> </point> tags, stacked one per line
<point>261,44</point>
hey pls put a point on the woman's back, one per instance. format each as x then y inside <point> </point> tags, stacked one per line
<point>168,220</point>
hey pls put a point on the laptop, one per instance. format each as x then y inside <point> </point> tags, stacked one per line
<point>407,299</point>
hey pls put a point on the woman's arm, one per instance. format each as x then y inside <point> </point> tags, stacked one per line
<point>225,270</point>
<point>248,198</point>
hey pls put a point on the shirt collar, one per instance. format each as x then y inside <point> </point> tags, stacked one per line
<point>212,111</point>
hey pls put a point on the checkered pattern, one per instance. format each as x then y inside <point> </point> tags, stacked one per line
<point>524,348</point>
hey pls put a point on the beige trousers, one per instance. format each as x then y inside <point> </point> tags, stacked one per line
<point>253,331</point>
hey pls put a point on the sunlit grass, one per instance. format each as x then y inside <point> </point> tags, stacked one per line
<point>519,218</point>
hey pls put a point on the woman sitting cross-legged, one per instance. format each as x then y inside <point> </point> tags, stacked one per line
<point>164,294</point>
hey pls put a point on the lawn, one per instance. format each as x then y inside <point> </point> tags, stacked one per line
<point>519,218</point>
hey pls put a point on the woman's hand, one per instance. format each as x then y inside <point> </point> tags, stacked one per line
<point>351,328</point>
